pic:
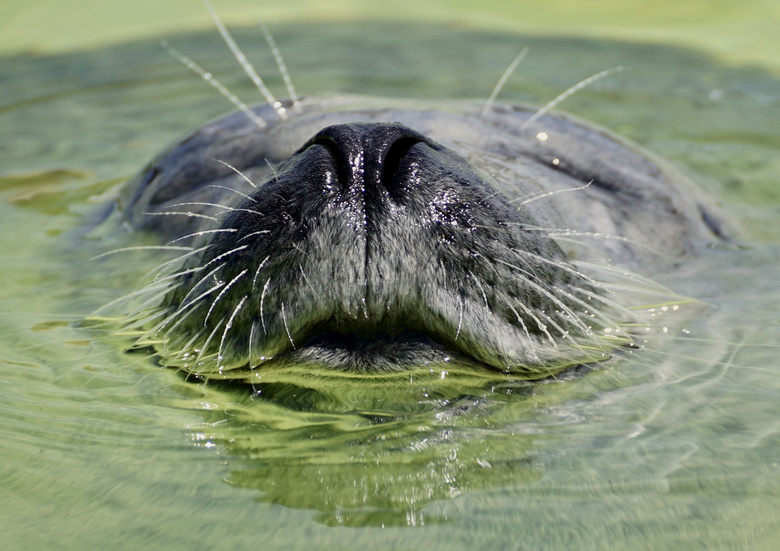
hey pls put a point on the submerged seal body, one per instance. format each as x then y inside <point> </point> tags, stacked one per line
<point>365,235</point>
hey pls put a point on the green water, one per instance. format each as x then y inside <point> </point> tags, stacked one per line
<point>675,447</point>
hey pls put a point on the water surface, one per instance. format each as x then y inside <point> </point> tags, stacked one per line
<point>676,446</point>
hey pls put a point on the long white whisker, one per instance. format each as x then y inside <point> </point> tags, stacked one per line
<point>560,233</point>
<point>250,342</point>
<point>615,305</point>
<point>546,292</point>
<point>527,334</point>
<point>258,232</point>
<point>262,301</point>
<point>460,318</point>
<point>127,297</point>
<point>211,80</point>
<point>143,248</point>
<point>308,283</point>
<point>226,188</point>
<point>184,307</point>
<point>248,68</point>
<point>543,194</point>
<point>596,312</point>
<point>622,273</point>
<point>502,81</point>
<point>257,272</point>
<point>179,213</point>
<point>481,289</point>
<point>566,94</point>
<point>222,293</point>
<point>286,328</point>
<point>186,348</point>
<point>208,340</point>
<point>178,262</point>
<point>296,105</point>
<point>557,264</point>
<point>234,169</point>
<point>228,326</point>
<point>154,299</point>
<point>273,169</point>
<point>162,279</point>
<point>182,303</point>
<point>223,255</point>
<point>215,205</point>
<point>204,232</point>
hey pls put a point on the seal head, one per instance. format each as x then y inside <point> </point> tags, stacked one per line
<point>372,247</point>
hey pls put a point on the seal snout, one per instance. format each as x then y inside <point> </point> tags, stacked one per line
<point>372,245</point>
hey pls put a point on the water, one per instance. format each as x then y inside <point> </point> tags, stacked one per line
<point>677,446</point>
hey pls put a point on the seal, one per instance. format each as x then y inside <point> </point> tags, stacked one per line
<point>371,238</point>
<point>370,235</point>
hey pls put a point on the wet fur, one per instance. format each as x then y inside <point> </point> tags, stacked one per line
<point>505,237</point>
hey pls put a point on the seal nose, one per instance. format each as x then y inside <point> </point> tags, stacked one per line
<point>368,155</point>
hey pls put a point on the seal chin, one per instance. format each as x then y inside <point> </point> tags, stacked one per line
<point>373,248</point>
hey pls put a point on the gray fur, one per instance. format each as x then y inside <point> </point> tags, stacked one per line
<point>477,249</point>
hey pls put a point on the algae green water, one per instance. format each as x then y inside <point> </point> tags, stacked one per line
<point>674,447</point>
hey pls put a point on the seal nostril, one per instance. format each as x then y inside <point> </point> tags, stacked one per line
<point>393,158</point>
<point>368,156</point>
<point>336,152</point>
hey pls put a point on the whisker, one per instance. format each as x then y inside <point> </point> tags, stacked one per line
<point>204,232</point>
<point>178,261</point>
<point>296,105</point>
<point>614,304</point>
<point>215,205</point>
<point>543,194</point>
<point>648,284</point>
<point>126,298</point>
<point>139,322</point>
<point>134,317</point>
<point>209,78</point>
<point>222,293</point>
<point>542,327</point>
<point>188,214</point>
<point>257,273</point>
<point>545,292</point>
<point>502,81</point>
<point>308,283</point>
<point>194,287</point>
<point>188,345</point>
<point>182,307</point>
<point>250,342</point>
<point>568,93</point>
<point>248,68</point>
<point>460,318</point>
<point>143,248</point>
<point>258,232</point>
<point>481,289</point>
<point>560,233</point>
<point>244,176</point>
<point>596,313</point>
<point>273,169</point>
<point>225,254</point>
<point>286,328</point>
<point>228,326</point>
<point>556,264</point>
<point>262,300</point>
<point>208,340</point>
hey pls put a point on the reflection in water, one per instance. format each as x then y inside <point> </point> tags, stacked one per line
<point>397,462</point>
<point>674,446</point>
<point>396,452</point>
